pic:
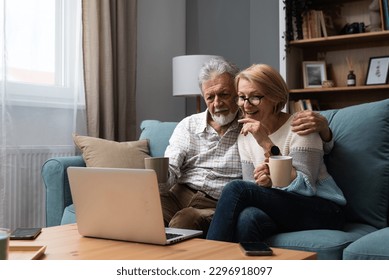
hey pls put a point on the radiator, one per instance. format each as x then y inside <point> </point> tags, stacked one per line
<point>23,189</point>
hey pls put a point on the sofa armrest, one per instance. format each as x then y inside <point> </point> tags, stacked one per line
<point>56,182</point>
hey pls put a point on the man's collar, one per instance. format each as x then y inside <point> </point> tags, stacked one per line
<point>203,122</point>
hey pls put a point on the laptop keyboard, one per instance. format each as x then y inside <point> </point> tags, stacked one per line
<point>172,235</point>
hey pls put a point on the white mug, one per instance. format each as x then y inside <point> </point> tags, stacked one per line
<point>280,168</point>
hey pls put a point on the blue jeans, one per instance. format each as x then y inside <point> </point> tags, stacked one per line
<point>248,212</point>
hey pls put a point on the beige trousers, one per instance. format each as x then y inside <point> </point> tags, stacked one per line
<point>184,207</point>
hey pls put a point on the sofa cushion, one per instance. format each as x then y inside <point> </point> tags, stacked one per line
<point>359,160</point>
<point>69,215</point>
<point>99,152</point>
<point>328,244</point>
<point>158,134</point>
<point>374,246</point>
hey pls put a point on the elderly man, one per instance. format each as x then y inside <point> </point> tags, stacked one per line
<point>203,150</point>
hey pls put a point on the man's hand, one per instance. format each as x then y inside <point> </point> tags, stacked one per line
<point>306,122</point>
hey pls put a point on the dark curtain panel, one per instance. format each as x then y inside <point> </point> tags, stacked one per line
<point>109,50</point>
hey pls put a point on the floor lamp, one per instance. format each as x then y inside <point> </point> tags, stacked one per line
<point>186,70</point>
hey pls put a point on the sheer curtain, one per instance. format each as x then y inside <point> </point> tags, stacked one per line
<point>41,100</point>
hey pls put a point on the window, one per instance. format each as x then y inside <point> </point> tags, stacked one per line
<point>40,46</point>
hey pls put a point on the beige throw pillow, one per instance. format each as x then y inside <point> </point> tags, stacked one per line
<point>99,152</point>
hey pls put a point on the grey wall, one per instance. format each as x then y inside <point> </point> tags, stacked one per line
<point>264,32</point>
<point>161,36</point>
<point>219,27</point>
<point>243,31</point>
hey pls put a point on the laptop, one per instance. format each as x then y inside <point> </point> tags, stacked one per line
<point>121,204</point>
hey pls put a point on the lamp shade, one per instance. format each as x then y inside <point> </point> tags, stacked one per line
<point>186,71</point>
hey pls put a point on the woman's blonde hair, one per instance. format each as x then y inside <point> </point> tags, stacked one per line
<point>269,82</point>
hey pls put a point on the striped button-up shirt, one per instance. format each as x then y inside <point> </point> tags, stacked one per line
<point>201,158</point>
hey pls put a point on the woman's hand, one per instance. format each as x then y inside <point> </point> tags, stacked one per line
<point>262,175</point>
<point>306,122</point>
<point>258,130</point>
<point>260,133</point>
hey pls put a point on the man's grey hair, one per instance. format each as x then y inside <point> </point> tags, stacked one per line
<point>215,67</point>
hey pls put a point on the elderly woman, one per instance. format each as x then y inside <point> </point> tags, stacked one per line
<point>253,209</point>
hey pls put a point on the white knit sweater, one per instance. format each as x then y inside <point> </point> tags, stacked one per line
<point>307,153</point>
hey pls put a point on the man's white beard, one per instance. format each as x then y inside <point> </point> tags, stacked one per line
<point>224,120</point>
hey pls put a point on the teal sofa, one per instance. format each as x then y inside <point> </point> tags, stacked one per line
<point>359,163</point>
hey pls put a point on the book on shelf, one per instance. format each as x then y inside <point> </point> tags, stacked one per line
<point>314,24</point>
<point>322,24</point>
<point>329,23</point>
<point>385,12</point>
<point>303,104</point>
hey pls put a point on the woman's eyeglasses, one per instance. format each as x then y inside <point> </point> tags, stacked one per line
<point>253,100</point>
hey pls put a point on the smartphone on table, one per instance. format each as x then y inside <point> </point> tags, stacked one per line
<point>25,233</point>
<point>256,249</point>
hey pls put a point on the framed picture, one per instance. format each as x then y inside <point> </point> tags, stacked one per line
<point>314,73</point>
<point>377,73</point>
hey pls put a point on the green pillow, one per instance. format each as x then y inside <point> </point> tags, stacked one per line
<point>158,134</point>
<point>359,161</point>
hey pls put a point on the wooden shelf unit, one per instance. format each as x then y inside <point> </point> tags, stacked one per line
<point>358,48</point>
<point>340,41</point>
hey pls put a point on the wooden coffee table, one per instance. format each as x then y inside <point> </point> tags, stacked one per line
<point>65,243</point>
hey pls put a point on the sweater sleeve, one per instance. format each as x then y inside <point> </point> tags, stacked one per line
<point>327,146</point>
<point>307,154</point>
